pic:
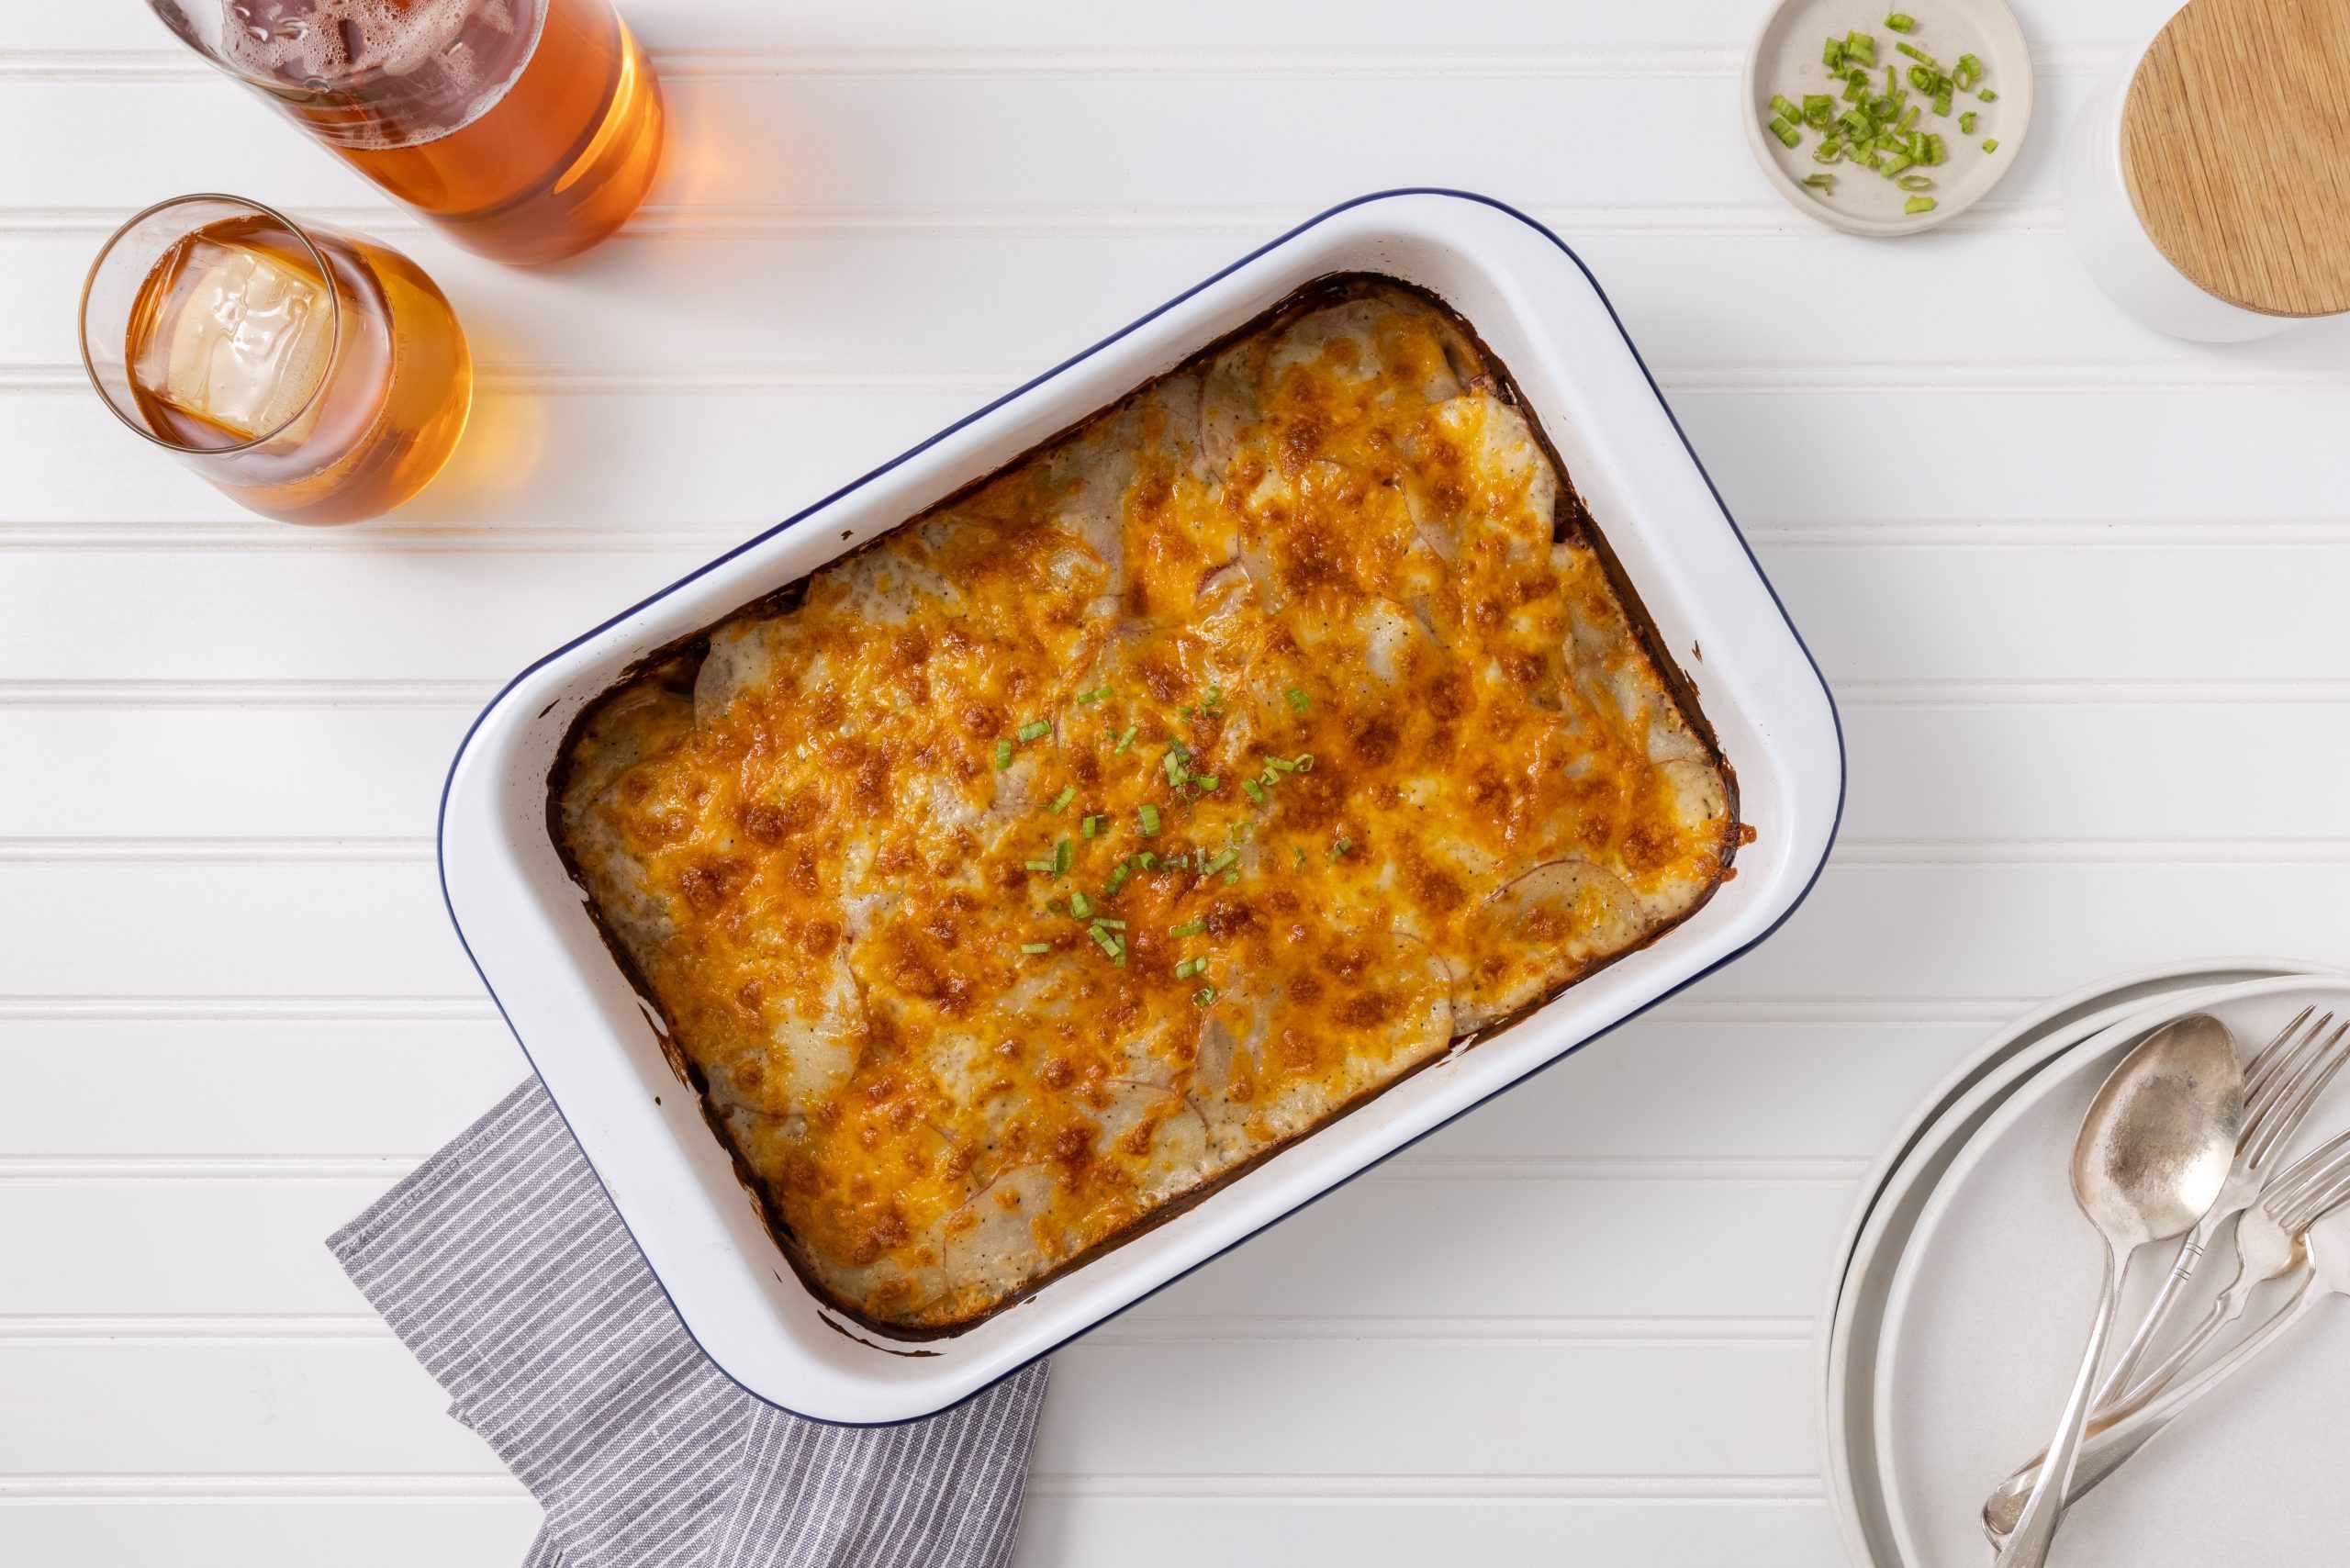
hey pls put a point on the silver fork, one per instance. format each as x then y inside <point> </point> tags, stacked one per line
<point>2314,1191</point>
<point>2281,1083</point>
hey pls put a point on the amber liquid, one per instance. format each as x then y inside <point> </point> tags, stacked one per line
<point>387,412</point>
<point>557,162</point>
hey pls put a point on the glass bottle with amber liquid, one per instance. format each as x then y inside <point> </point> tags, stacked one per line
<point>527,129</point>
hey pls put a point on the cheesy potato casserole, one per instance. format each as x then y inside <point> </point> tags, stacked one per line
<point>1120,819</point>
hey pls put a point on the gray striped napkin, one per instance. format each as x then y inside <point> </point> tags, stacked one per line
<point>502,1264</point>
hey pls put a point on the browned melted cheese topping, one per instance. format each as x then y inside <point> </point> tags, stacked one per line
<point>1124,818</point>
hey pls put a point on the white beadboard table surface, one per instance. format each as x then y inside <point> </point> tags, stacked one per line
<point>2080,590</point>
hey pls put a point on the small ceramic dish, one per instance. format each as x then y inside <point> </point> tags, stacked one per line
<point>1786,59</point>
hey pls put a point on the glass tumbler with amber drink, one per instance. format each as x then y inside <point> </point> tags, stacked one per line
<point>527,129</point>
<point>312,375</point>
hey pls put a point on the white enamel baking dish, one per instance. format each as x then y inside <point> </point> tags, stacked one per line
<point>592,1039</point>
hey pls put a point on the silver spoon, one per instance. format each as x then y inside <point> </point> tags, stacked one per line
<point>2153,1153</point>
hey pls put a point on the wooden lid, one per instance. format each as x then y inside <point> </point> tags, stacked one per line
<point>2235,142</point>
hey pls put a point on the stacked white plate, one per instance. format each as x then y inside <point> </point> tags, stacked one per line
<point>1963,1295</point>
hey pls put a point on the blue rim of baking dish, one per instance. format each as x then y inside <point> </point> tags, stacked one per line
<point>1835,719</point>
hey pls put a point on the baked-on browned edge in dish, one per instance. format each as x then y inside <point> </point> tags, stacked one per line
<point>1275,437</point>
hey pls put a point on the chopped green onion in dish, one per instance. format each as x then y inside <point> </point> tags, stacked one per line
<point>1917,205</point>
<point>1341,848</point>
<point>1206,780</point>
<point>1188,968</point>
<point>1003,754</point>
<point>1068,793</point>
<point>1218,861</point>
<point>1884,130</point>
<point>1045,866</point>
<point>1149,815</point>
<point>1080,905</point>
<point>1298,699</point>
<point>1092,827</point>
<point>1990,145</point>
<point>1118,875</point>
<point>1256,790</point>
<point>1091,698</point>
<point>1189,929</point>
<point>1063,853</point>
<point>1149,861</point>
<point>1035,947</point>
<point>1112,925</point>
<point>1036,731</point>
<point>1203,996</point>
<point>1127,739</point>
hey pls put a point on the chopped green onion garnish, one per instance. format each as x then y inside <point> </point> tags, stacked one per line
<point>1786,133</point>
<point>1281,764</point>
<point>1039,864</point>
<point>1819,108</point>
<point>1942,99</point>
<point>1861,47</point>
<point>1784,107</point>
<point>1917,205</point>
<point>1920,55</point>
<point>1894,164</point>
<point>1035,947</point>
<point>1002,755</point>
<point>1092,827</point>
<point>1212,695</point>
<point>1967,72</point>
<point>1820,181</point>
<point>1206,780</point>
<point>1126,740</point>
<point>1925,78</point>
<point>1915,183</point>
<point>1833,55</point>
<point>1203,996</point>
<point>1907,120</point>
<point>1990,145</point>
<point>1256,790</point>
<point>1934,146</point>
<point>1036,731</point>
<point>1148,859</point>
<point>1174,767</point>
<point>1189,929</point>
<point>1298,699</point>
<point>1901,21</point>
<point>1063,853</point>
<point>1188,968</point>
<point>1341,848</point>
<point>1089,697</point>
<point>1966,123</point>
<point>1112,925</point>
<point>1067,794</point>
<point>1305,762</point>
<point>1988,95</point>
<point>1118,875</point>
<point>1080,905</point>
<point>1219,861</point>
<point>1103,940</point>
